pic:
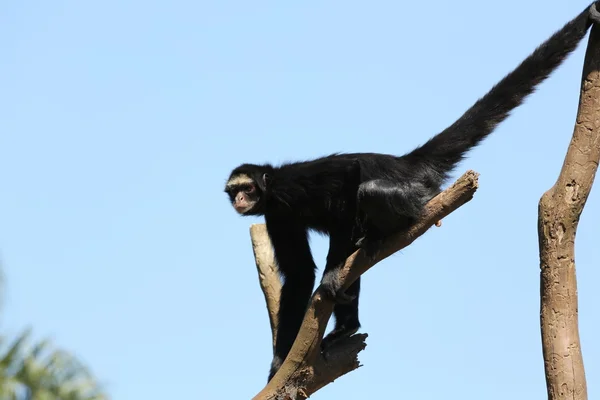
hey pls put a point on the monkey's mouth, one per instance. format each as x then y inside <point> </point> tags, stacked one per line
<point>254,208</point>
<point>245,207</point>
<point>242,209</point>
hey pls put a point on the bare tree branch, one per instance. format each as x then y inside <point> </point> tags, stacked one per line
<point>559,212</point>
<point>305,369</point>
<point>268,276</point>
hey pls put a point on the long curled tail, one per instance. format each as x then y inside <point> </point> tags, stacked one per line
<point>446,149</point>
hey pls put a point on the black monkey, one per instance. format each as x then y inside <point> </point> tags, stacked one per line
<point>359,199</point>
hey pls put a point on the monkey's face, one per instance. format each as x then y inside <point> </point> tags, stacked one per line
<point>244,193</point>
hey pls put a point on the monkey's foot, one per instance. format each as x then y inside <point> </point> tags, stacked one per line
<point>332,288</point>
<point>339,333</point>
<point>275,365</point>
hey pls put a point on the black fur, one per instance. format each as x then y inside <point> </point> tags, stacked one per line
<point>359,199</point>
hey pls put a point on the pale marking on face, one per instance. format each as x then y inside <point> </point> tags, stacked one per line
<point>241,179</point>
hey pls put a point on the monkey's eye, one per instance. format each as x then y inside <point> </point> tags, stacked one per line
<point>249,189</point>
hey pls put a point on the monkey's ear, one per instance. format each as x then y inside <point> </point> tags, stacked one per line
<point>266,179</point>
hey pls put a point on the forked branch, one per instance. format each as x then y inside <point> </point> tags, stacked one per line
<point>559,212</point>
<point>305,369</point>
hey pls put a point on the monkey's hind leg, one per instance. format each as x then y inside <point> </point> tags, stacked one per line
<point>346,318</point>
<point>345,309</point>
<point>386,207</point>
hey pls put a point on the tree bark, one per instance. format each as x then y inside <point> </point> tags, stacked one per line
<point>268,277</point>
<point>559,212</point>
<point>305,369</point>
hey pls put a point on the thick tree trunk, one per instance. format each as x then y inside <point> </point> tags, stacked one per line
<point>559,212</point>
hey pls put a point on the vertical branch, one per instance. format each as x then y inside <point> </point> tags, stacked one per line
<point>559,212</point>
<point>268,276</point>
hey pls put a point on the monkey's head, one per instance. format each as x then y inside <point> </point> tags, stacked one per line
<point>248,187</point>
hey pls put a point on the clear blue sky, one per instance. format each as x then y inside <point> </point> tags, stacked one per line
<point>120,121</point>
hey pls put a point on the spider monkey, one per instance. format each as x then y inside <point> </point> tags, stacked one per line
<point>361,198</point>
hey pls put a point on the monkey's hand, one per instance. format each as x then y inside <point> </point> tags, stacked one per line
<point>370,246</point>
<point>332,287</point>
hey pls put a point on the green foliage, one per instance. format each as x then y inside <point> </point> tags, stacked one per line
<point>39,373</point>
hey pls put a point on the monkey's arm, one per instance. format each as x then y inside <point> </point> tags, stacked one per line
<point>296,265</point>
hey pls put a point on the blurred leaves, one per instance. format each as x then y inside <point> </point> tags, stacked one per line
<point>39,372</point>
